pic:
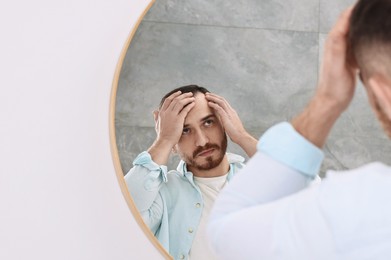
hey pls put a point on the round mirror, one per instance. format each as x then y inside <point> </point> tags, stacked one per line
<point>262,56</point>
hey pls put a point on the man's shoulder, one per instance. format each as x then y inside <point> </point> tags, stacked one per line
<point>370,169</point>
<point>368,183</point>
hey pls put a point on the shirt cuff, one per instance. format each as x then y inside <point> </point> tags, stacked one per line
<point>144,159</point>
<point>284,144</point>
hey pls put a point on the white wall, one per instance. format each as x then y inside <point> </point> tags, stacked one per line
<point>59,196</point>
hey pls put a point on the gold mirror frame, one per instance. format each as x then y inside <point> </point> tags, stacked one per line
<point>114,148</point>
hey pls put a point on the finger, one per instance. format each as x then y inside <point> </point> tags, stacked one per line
<point>180,102</point>
<point>183,113</point>
<point>218,100</point>
<point>338,34</point>
<point>172,100</point>
<point>342,24</point>
<point>218,109</point>
<point>169,99</point>
<point>335,51</point>
<point>214,97</point>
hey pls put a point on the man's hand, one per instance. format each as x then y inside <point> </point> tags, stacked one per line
<point>338,78</point>
<point>169,120</point>
<point>335,89</point>
<point>232,124</point>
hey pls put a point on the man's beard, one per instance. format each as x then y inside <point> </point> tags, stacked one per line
<point>210,162</point>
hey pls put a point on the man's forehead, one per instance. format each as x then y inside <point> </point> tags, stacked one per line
<point>200,111</point>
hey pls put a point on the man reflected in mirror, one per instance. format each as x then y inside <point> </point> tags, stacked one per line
<point>175,205</point>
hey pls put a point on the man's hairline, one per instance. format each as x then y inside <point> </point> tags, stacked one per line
<point>195,92</point>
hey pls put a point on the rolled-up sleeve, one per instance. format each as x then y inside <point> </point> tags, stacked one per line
<point>285,145</point>
<point>144,182</point>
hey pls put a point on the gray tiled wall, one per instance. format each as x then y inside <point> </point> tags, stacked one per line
<point>262,56</point>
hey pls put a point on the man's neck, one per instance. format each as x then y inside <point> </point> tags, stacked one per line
<point>218,171</point>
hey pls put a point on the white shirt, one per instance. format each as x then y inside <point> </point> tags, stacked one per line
<point>269,212</point>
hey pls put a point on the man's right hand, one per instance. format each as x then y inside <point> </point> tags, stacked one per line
<point>169,121</point>
<point>337,77</point>
<point>335,89</point>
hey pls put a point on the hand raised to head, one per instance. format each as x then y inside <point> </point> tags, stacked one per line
<point>227,115</point>
<point>337,77</point>
<point>231,122</point>
<point>335,88</point>
<point>169,119</point>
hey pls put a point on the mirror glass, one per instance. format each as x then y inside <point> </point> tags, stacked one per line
<point>262,56</point>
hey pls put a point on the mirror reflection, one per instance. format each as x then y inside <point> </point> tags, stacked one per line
<point>261,58</point>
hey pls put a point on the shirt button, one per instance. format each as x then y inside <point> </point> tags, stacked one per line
<point>190,230</point>
<point>198,205</point>
<point>182,257</point>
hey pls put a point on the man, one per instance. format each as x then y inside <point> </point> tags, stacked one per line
<point>192,122</point>
<point>269,212</point>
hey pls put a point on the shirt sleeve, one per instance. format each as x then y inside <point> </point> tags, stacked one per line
<point>284,144</point>
<point>253,209</point>
<point>144,181</point>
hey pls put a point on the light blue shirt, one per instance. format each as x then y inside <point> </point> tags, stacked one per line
<point>170,202</point>
<point>284,144</point>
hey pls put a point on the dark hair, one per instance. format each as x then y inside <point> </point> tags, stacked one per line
<point>185,89</point>
<point>370,27</point>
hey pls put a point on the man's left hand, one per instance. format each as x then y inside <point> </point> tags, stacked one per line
<point>231,122</point>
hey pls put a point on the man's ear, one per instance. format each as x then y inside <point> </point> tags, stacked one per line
<point>156,118</point>
<point>381,88</point>
<point>155,115</point>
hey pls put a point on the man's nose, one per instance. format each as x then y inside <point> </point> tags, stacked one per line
<point>201,139</point>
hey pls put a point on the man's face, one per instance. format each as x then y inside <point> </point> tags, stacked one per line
<point>203,142</point>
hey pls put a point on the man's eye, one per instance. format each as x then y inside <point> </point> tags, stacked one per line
<point>185,131</point>
<point>208,122</point>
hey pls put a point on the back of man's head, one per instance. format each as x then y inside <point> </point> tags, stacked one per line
<point>370,36</point>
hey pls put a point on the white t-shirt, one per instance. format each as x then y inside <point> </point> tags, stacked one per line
<point>210,188</point>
